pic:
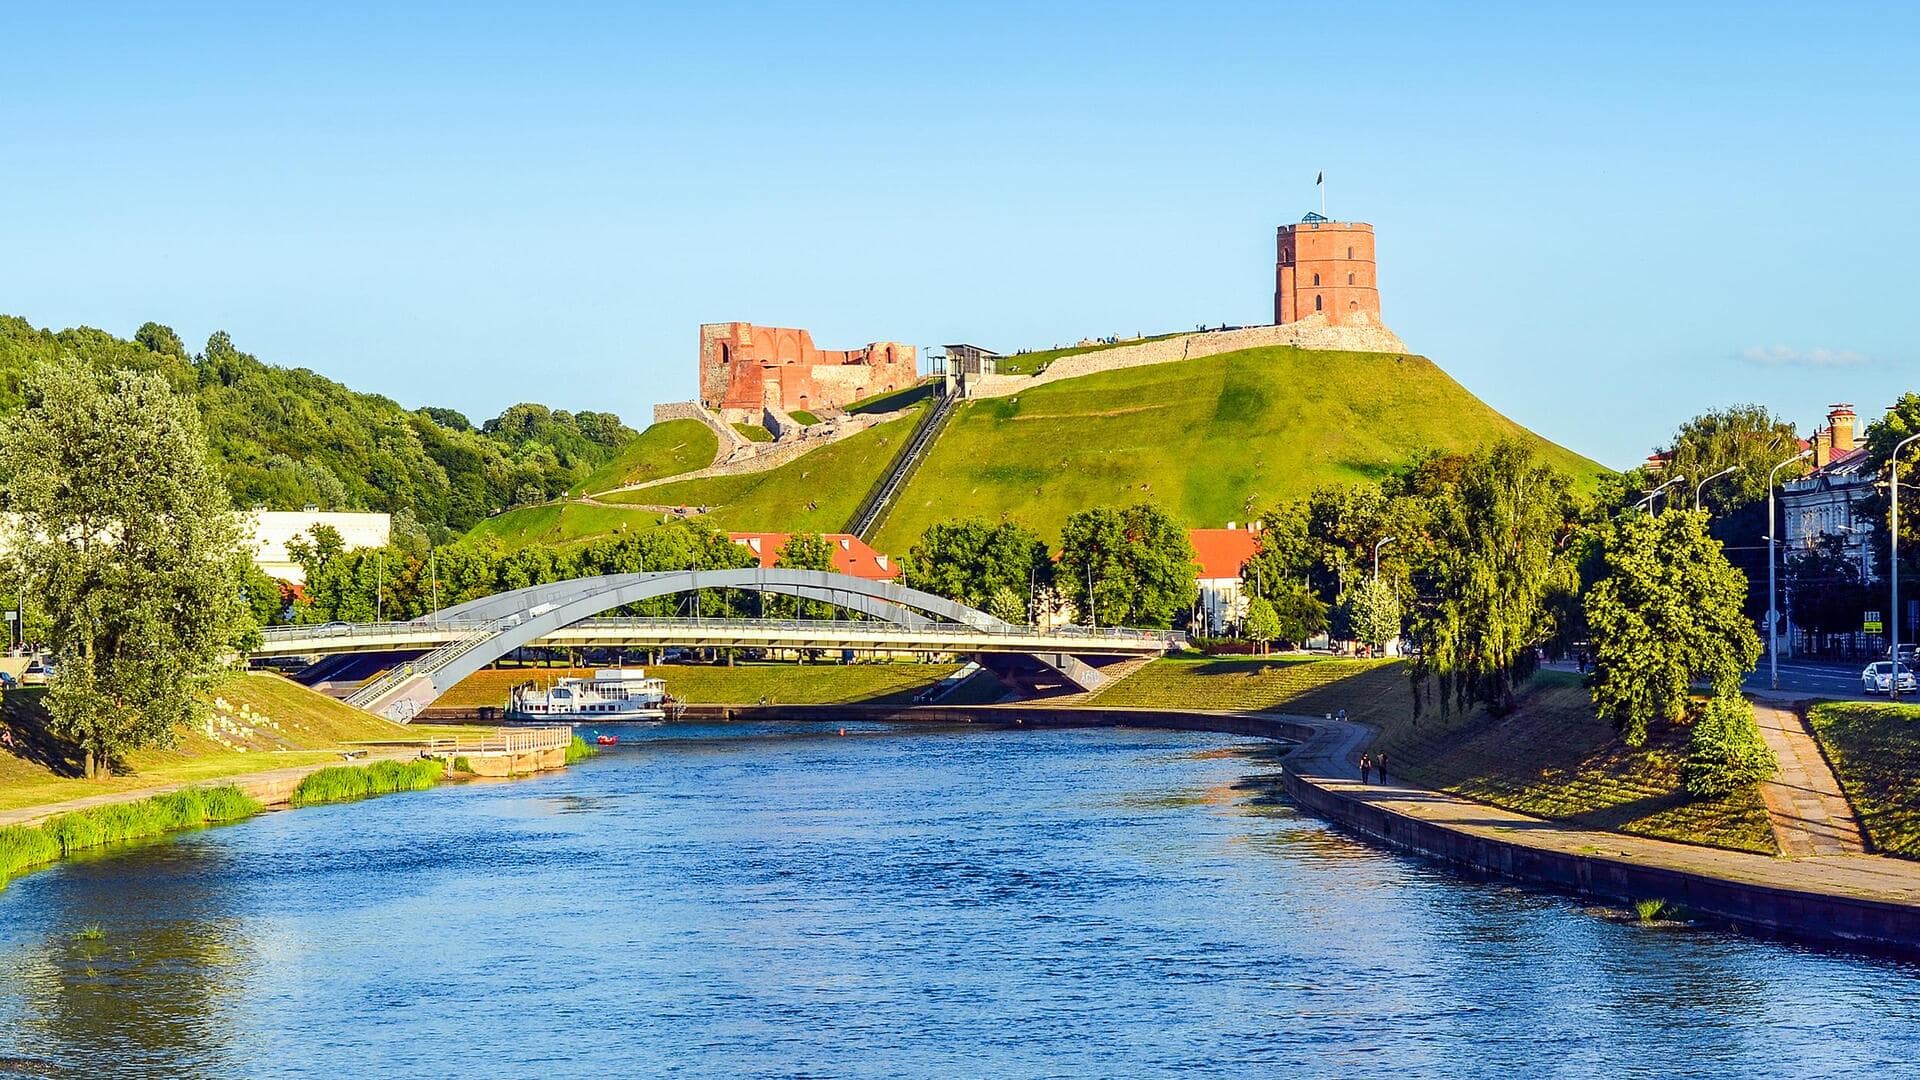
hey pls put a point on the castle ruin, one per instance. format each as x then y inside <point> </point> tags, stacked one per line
<point>746,370</point>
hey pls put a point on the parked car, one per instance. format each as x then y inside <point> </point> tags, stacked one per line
<point>7,681</point>
<point>1877,678</point>
<point>39,672</point>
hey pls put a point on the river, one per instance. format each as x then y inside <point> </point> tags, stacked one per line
<point>783,900</point>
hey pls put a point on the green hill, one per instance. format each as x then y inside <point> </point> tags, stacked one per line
<point>665,449</point>
<point>817,492</point>
<point>287,438</point>
<point>1207,439</point>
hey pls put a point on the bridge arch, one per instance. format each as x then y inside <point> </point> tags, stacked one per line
<point>512,620</point>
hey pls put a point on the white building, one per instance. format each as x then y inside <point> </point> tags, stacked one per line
<point>1221,553</point>
<point>272,530</point>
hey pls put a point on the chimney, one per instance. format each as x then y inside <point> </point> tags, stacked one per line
<point>1840,427</point>
<point>1822,449</point>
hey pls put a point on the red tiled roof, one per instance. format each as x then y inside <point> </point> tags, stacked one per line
<point>1222,552</point>
<point>851,555</point>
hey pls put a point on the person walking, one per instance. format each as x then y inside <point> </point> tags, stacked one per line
<point>1366,765</point>
<point>1380,765</point>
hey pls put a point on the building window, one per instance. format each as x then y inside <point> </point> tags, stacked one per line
<point>1316,303</point>
<point>726,354</point>
<point>1349,253</point>
<point>1316,279</point>
<point>1349,279</point>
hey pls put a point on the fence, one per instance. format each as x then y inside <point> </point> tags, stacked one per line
<point>505,741</point>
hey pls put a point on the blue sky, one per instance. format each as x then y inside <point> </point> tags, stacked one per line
<point>1601,221</point>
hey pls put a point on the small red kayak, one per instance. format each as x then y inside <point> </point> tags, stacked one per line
<point>608,740</point>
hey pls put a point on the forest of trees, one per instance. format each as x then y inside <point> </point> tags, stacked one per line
<point>287,438</point>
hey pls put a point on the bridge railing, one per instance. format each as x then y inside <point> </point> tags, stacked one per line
<point>503,741</point>
<point>280,636</point>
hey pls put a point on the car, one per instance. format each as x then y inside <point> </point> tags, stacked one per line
<point>7,681</point>
<point>1877,678</point>
<point>39,672</point>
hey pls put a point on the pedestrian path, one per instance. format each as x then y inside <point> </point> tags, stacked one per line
<point>1329,761</point>
<point>268,785</point>
<point>1810,814</point>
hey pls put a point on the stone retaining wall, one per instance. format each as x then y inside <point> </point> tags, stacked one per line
<point>1309,333</point>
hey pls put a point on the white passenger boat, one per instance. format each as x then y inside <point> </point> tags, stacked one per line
<point>611,694</point>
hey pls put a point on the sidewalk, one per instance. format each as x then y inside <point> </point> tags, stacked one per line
<point>1810,814</point>
<point>270,786</point>
<point>1327,763</point>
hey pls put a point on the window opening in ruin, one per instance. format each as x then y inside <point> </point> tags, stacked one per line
<point>726,354</point>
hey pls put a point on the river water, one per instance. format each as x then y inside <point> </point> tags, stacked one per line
<point>784,900</point>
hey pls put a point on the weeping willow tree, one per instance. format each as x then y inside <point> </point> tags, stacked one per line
<point>1491,559</point>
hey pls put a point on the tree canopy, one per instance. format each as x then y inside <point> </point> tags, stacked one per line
<point>286,438</point>
<point>120,526</point>
<point>1665,614</point>
<point>1137,563</point>
<point>972,561</point>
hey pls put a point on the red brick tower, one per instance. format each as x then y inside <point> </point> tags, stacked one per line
<point>1326,267</point>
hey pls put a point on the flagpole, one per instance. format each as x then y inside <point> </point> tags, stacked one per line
<point>1321,183</point>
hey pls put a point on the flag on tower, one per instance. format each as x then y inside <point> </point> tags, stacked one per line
<point>1320,178</point>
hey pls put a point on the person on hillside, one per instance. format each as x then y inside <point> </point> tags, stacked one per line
<point>1366,764</point>
<point>1380,763</point>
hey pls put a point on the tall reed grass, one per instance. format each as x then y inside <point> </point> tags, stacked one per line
<point>580,750</point>
<point>342,783</point>
<point>26,846</point>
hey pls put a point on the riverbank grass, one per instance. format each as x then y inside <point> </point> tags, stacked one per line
<point>1551,757</point>
<point>1874,748</point>
<point>580,749</point>
<point>343,783</point>
<point>23,847</point>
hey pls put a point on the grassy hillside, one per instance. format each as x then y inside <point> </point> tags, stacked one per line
<point>1200,437</point>
<point>665,449</point>
<point>1552,757</point>
<point>1029,362</point>
<point>817,492</point>
<point>1875,751</point>
<point>267,722</point>
<point>562,523</point>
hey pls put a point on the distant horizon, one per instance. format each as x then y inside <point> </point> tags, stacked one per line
<point>1598,230</point>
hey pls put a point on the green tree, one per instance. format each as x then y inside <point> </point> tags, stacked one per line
<point>1298,612</point>
<point>1137,563</point>
<point>970,560</point>
<point>1725,751</point>
<point>1262,624</point>
<point>1489,562</point>
<point>120,523</point>
<point>1746,438</point>
<point>1826,591</point>
<point>158,338</point>
<point>1370,612</point>
<point>1007,605</point>
<point>1665,614</point>
<point>806,551</point>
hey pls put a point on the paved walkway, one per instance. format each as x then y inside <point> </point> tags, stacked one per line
<point>261,785</point>
<point>1328,761</point>
<point>1810,814</point>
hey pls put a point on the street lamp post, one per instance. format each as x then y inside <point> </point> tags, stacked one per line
<point>1773,610</point>
<point>1893,560</point>
<point>1376,555</point>
<point>1701,487</point>
<point>1647,499</point>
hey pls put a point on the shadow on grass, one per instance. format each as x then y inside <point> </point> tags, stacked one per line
<point>24,717</point>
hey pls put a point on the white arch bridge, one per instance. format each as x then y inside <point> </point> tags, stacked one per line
<point>455,642</point>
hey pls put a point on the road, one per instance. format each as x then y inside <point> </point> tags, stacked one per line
<point>1804,678</point>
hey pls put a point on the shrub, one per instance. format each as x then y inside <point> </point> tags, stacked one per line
<point>580,750</point>
<point>1725,752</point>
<point>22,846</point>
<point>341,783</point>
